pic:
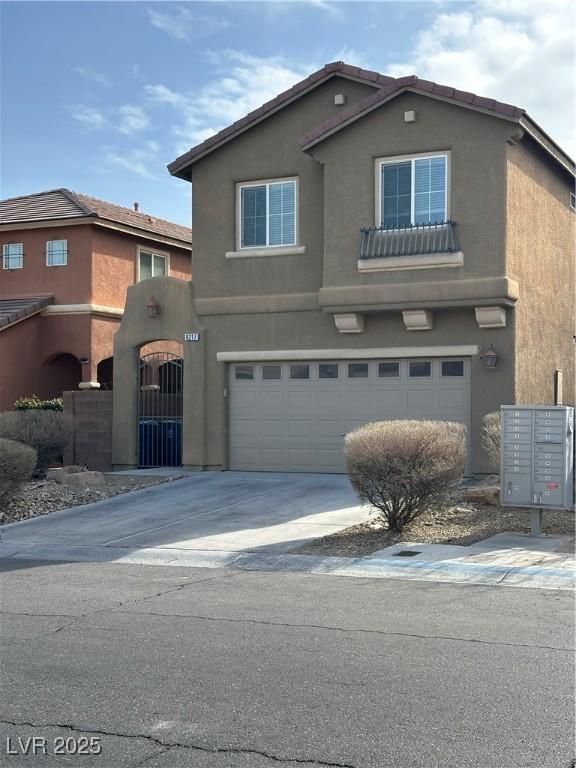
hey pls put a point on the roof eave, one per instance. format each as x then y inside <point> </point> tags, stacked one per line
<point>307,145</point>
<point>180,166</point>
<point>548,144</point>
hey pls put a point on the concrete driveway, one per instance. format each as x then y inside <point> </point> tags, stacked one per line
<point>211,513</point>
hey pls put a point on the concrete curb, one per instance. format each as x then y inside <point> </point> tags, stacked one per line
<point>365,567</point>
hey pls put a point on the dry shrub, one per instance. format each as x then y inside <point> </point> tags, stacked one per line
<point>491,438</point>
<point>404,467</point>
<point>17,463</point>
<point>49,432</point>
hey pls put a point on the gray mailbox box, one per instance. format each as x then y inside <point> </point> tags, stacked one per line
<point>537,456</point>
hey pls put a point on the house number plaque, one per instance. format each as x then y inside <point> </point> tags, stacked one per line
<point>192,336</point>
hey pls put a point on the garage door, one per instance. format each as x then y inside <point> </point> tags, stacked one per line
<point>292,416</point>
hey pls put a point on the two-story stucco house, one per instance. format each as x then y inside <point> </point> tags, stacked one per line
<point>365,248</point>
<point>66,262</point>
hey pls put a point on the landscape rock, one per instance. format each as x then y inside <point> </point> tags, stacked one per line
<point>484,494</point>
<point>84,479</point>
<point>59,473</point>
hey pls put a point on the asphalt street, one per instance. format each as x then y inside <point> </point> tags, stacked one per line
<point>166,668</point>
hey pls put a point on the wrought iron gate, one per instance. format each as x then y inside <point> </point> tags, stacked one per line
<point>160,410</point>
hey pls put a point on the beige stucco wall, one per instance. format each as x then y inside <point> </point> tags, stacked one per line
<point>540,251</point>
<point>476,146</point>
<point>269,150</point>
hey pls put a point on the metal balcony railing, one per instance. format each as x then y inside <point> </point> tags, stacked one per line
<point>408,240</point>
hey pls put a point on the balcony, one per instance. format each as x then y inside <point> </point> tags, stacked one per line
<point>408,240</point>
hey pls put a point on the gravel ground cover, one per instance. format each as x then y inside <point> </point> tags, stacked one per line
<point>40,497</point>
<point>456,522</point>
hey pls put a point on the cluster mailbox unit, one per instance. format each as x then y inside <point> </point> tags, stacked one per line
<point>537,457</point>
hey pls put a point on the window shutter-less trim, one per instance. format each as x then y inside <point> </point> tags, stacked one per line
<point>413,191</point>
<point>268,214</point>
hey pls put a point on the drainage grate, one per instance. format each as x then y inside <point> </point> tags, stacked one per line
<point>406,553</point>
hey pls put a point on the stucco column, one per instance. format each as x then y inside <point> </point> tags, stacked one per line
<point>125,423</point>
<point>89,374</point>
<point>194,404</point>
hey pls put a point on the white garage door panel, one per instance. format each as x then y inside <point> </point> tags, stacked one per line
<point>298,425</point>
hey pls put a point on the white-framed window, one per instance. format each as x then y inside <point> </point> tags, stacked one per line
<point>13,255</point>
<point>56,253</point>
<point>151,264</point>
<point>412,190</point>
<point>267,213</point>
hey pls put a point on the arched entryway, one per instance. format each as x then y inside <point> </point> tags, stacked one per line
<point>62,373</point>
<point>160,409</point>
<point>105,373</point>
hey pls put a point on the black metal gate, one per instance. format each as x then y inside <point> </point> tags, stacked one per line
<point>160,410</point>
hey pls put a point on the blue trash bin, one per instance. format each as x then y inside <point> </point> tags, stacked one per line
<point>171,449</point>
<point>148,443</point>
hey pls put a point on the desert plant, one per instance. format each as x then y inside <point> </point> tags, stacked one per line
<point>17,463</point>
<point>48,432</point>
<point>35,403</point>
<point>491,438</point>
<point>404,467</point>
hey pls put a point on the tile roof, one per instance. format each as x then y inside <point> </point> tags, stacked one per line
<point>417,85</point>
<point>65,204</point>
<point>14,310</point>
<point>316,78</point>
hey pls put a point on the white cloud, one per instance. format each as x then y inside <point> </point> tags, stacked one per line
<point>246,83</point>
<point>92,75</point>
<point>183,24</point>
<point>517,51</point>
<point>88,117</point>
<point>142,161</point>
<point>132,119</point>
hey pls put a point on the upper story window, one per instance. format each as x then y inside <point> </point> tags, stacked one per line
<point>152,265</point>
<point>267,214</point>
<point>413,190</point>
<point>56,253</point>
<point>13,255</point>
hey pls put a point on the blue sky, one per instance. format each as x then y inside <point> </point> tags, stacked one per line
<point>100,96</point>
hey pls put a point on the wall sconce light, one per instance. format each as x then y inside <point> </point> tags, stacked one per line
<point>153,307</point>
<point>490,358</point>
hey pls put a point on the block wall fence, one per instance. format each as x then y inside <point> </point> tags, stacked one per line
<point>91,412</point>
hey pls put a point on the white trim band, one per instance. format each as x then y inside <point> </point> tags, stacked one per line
<point>267,250</point>
<point>82,309</point>
<point>456,350</point>
<point>425,261</point>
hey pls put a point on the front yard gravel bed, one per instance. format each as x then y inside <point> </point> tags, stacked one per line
<point>40,497</point>
<point>455,523</point>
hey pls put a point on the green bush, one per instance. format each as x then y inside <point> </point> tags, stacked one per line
<point>17,463</point>
<point>48,432</point>
<point>491,438</point>
<point>404,467</point>
<point>34,403</point>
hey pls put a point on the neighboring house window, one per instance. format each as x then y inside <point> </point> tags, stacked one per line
<point>413,190</point>
<point>56,253</point>
<point>152,265</point>
<point>573,201</point>
<point>268,214</point>
<point>13,255</point>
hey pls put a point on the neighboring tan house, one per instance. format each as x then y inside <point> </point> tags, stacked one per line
<point>365,248</point>
<point>67,261</point>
